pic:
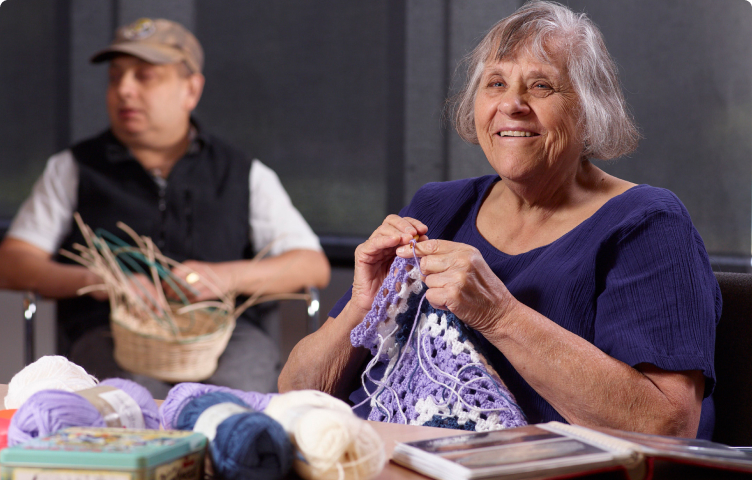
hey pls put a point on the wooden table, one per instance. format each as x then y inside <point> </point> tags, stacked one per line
<point>391,434</point>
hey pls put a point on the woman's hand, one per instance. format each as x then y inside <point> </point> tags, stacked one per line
<point>326,360</point>
<point>460,280</point>
<point>374,257</point>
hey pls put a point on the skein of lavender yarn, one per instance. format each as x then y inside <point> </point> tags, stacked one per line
<point>182,393</point>
<point>48,411</point>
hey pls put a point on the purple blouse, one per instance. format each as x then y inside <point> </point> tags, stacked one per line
<point>634,279</point>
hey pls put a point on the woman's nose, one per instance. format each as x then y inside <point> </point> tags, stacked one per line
<point>514,103</point>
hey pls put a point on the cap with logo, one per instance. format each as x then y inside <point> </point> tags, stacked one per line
<point>156,41</point>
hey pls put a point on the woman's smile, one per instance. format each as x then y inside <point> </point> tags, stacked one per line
<point>516,133</point>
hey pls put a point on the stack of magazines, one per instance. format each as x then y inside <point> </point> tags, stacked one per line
<point>555,449</point>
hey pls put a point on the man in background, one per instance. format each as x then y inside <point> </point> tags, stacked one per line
<point>202,202</point>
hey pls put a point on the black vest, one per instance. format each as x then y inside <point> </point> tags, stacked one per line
<point>200,212</point>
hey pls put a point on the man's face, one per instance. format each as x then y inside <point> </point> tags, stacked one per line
<point>150,105</point>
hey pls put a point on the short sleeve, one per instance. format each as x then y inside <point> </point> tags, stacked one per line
<point>46,217</point>
<point>274,219</point>
<point>660,301</point>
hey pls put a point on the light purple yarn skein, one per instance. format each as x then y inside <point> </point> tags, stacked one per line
<point>48,411</point>
<point>182,393</point>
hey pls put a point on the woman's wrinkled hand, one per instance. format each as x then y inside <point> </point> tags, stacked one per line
<point>374,257</point>
<point>460,280</point>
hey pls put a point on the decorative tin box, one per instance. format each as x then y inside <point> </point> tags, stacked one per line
<point>87,453</point>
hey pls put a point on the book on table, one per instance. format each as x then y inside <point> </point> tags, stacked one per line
<point>556,449</point>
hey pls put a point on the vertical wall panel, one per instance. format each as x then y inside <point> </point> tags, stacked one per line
<point>91,30</point>
<point>303,86</point>
<point>181,11</point>
<point>426,80</point>
<point>28,103</point>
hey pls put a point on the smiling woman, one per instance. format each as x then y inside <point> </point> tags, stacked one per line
<point>592,297</point>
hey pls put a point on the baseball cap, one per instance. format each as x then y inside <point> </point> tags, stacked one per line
<point>156,41</point>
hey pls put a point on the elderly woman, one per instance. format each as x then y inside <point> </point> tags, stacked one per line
<point>594,296</point>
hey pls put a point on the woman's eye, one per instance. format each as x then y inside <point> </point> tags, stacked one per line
<point>541,89</point>
<point>496,84</point>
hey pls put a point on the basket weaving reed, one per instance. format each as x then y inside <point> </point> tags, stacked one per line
<point>174,341</point>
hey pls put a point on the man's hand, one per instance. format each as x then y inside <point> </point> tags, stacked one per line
<point>200,281</point>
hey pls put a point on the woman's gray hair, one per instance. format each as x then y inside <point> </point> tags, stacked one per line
<point>542,28</point>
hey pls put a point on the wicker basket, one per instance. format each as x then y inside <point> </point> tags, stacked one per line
<point>182,342</point>
<point>188,357</point>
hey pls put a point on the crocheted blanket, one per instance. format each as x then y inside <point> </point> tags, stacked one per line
<point>436,374</point>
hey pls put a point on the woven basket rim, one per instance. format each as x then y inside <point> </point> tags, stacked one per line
<point>185,340</point>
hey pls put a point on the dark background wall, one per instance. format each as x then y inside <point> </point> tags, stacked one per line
<point>344,99</point>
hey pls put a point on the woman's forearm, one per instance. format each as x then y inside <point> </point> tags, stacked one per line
<point>584,384</point>
<point>326,360</point>
<point>588,387</point>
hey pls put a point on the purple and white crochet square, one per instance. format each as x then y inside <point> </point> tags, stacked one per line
<point>435,374</point>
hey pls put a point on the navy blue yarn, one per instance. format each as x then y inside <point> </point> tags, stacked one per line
<point>251,445</point>
<point>405,321</point>
<point>247,445</point>
<point>449,422</point>
<point>189,414</point>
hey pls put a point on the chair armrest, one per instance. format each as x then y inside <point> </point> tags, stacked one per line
<point>314,321</point>
<point>29,313</point>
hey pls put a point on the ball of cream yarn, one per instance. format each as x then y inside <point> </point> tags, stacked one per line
<point>51,372</point>
<point>335,443</point>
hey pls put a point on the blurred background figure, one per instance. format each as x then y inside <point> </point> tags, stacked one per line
<point>203,203</point>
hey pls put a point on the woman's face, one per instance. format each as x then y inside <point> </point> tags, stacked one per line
<point>526,119</point>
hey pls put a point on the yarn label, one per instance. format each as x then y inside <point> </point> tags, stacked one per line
<point>117,407</point>
<point>210,418</point>
<point>127,408</point>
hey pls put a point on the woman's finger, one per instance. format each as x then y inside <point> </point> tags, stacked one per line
<point>461,263</point>
<point>406,224</point>
<point>443,279</point>
<point>437,298</point>
<point>425,248</point>
<point>405,227</point>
